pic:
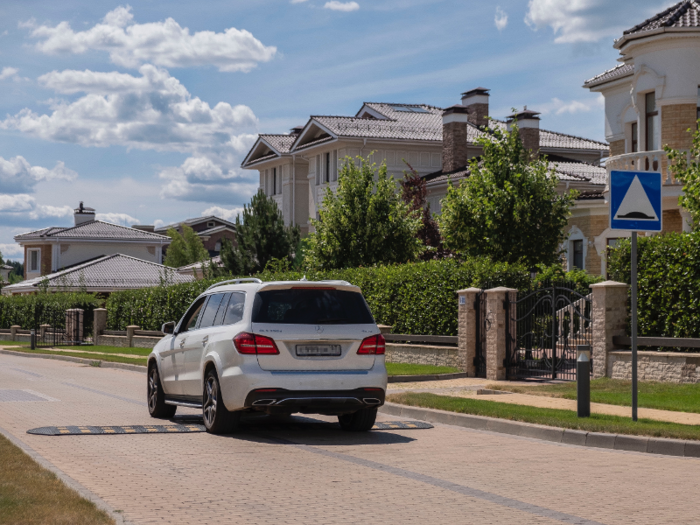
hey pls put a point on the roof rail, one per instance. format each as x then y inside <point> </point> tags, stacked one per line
<point>236,281</point>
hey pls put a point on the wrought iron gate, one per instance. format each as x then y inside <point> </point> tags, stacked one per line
<point>55,326</point>
<point>543,329</point>
<point>481,328</point>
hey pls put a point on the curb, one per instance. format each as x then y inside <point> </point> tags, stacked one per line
<point>646,444</point>
<point>102,364</point>
<point>426,377</point>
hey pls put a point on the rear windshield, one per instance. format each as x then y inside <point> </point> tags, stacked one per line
<point>311,306</point>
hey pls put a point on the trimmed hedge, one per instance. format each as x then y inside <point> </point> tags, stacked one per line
<point>20,309</point>
<point>416,298</point>
<point>668,279</point>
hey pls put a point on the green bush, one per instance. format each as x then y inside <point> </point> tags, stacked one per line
<point>20,309</point>
<point>668,281</point>
<point>417,298</point>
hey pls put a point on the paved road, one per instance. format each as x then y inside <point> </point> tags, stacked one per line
<point>441,475</point>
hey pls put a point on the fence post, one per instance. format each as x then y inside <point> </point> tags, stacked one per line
<point>466,330</point>
<point>130,334</point>
<point>13,331</point>
<point>496,336</point>
<point>609,312</point>
<point>74,325</point>
<point>99,323</point>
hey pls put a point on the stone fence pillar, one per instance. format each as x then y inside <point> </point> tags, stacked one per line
<point>13,331</point>
<point>74,325</point>
<point>466,330</point>
<point>496,337</point>
<point>99,323</point>
<point>609,312</point>
<point>130,334</point>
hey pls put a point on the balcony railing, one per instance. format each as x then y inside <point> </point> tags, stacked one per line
<point>643,161</point>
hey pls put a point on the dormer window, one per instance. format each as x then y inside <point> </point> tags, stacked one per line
<point>211,224</point>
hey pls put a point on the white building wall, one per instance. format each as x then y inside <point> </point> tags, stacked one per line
<point>71,253</point>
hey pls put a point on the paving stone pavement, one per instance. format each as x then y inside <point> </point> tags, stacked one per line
<point>442,475</point>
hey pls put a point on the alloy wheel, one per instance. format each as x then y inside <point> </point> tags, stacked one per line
<point>152,390</point>
<point>211,393</point>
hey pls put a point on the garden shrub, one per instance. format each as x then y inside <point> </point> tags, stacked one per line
<point>416,298</point>
<point>668,283</point>
<point>20,309</point>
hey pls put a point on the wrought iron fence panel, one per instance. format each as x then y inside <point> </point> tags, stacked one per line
<point>55,326</point>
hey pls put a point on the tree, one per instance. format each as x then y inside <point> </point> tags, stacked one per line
<point>508,208</point>
<point>414,191</point>
<point>186,248</point>
<point>364,222</point>
<point>687,171</point>
<point>261,236</point>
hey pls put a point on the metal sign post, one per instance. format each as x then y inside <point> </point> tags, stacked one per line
<point>635,205</point>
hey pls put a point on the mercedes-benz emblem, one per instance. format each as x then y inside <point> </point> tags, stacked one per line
<point>319,329</point>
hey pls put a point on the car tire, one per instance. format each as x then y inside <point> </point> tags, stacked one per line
<point>360,421</point>
<point>156,397</point>
<point>217,418</point>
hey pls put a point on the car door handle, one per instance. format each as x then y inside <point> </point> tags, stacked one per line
<point>205,340</point>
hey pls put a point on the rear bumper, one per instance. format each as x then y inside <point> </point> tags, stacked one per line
<point>314,401</point>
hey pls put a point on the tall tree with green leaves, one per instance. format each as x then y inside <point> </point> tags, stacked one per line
<point>687,171</point>
<point>364,222</point>
<point>185,248</point>
<point>261,236</point>
<point>508,208</point>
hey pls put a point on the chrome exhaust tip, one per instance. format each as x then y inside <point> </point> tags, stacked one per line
<point>371,400</point>
<point>264,402</point>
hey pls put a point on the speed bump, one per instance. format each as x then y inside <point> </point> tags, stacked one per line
<point>73,430</point>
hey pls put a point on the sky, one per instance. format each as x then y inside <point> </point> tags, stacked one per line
<point>144,111</point>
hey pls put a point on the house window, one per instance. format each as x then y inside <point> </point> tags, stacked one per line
<point>635,146</point>
<point>651,114</point>
<point>327,173</point>
<point>578,254</point>
<point>217,246</point>
<point>34,260</point>
<point>211,224</point>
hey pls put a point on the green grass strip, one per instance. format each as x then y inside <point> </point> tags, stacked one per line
<point>136,360</point>
<point>407,369</point>
<point>548,416</point>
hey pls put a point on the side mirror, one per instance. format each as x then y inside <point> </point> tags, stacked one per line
<point>168,328</point>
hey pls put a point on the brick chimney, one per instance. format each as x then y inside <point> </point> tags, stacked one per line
<point>477,103</point>
<point>454,138</point>
<point>528,128</point>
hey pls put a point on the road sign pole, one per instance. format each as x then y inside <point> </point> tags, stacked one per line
<point>633,328</point>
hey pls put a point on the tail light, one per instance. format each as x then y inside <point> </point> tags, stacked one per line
<point>255,344</point>
<point>373,345</point>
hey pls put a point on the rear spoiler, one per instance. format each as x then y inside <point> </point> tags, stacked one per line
<point>338,285</point>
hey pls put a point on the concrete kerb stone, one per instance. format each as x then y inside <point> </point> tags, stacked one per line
<point>103,364</point>
<point>670,447</point>
<point>426,377</point>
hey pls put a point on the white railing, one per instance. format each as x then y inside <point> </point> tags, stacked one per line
<point>643,161</point>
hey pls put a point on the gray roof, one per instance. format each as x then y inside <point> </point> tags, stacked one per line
<point>93,230</point>
<point>108,273</point>
<point>619,71</point>
<point>684,14</point>
<point>196,220</point>
<point>281,143</point>
<point>549,139</point>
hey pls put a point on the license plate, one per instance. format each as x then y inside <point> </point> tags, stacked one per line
<point>322,350</point>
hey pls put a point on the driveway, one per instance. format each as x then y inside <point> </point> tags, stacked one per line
<point>287,473</point>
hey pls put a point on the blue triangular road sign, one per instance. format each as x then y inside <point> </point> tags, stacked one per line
<point>635,201</point>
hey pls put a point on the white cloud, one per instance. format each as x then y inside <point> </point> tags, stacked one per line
<point>153,111</point>
<point>121,219</point>
<point>501,19</point>
<point>560,107</point>
<point>8,72</point>
<point>334,5</point>
<point>12,251</point>
<point>42,211</point>
<point>158,223</point>
<point>162,43</point>
<point>224,213</point>
<point>18,176</point>
<point>16,203</point>
<point>588,20</point>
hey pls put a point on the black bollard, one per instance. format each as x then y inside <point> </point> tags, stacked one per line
<point>583,381</point>
<point>32,339</point>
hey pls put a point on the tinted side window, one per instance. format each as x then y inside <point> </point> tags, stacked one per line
<point>210,310</point>
<point>311,306</point>
<point>189,322</point>
<point>222,310</point>
<point>234,310</point>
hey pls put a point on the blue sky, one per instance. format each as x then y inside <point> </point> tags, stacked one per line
<point>145,110</point>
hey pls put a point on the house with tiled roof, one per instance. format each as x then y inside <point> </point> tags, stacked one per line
<point>211,229</point>
<point>652,99</point>
<point>102,275</point>
<point>52,249</point>
<point>296,168</point>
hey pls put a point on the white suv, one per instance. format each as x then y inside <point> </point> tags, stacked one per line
<point>274,347</point>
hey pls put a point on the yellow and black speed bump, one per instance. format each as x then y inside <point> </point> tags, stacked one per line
<point>130,429</point>
<point>401,425</point>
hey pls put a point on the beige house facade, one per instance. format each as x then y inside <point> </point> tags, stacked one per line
<point>651,100</point>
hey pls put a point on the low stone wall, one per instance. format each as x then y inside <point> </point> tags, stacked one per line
<point>668,367</point>
<point>21,338</point>
<point>422,354</point>
<point>138,341</point>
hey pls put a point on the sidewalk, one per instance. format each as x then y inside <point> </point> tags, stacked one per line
<point>468,387</point>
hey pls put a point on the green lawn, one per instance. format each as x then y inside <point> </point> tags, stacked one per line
<point>95,356</point>
<point>111,350</point>
<point>548,416</point>
<point>664,396</point>
<point>31,495</point>
<point>405,369</point>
